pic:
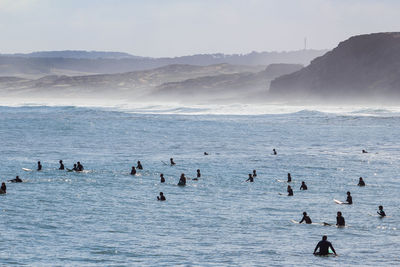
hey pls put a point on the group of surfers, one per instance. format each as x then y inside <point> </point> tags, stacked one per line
<point>322,245</point>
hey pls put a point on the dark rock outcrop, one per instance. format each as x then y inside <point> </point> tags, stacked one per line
<point>364,67</point>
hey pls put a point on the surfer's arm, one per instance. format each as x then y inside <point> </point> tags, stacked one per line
<point>315,250</point>
<point>332,249</point>
<point>302,220</point>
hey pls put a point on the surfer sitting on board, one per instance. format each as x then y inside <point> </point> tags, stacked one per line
<point>349,199</point>
<point>61,165</point>
<point>3,188</point>
<point>324,246</point>
<point>39,166</point>
<point>16,180</point>
<point>162,179</point>
<point>161,197</point>
<point>361,182</point>
<point>274,151</point>
<point>182,180</point>
<point>250,179</point>
<point>289,178</point>
<point>381,212</point>
<point>79,166</point>
<point>289,190</point>
<point>306,218</point>
<point>139,165</point>
<point>198,175</point>
<point>171,160</point>
<point>75,168</point>
<point>340,220</point>
<point>303,186</point>
<point>254,173</point>
<point>364,151</point>
<point>133,171</point>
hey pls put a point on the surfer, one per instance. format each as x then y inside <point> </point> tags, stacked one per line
<point>250,179</point>
<point>349,199</point>
<point>161,197</point>
<point>182,180</point>
<point>289,190</point>
<point>340,220</point>
<point>79,166</point>
<point>306,218</point>
<point>198,175</point>
<point>171,160</point>
<point>162,179</point>
<point>274,151</point>
<point>289,178</point>
<point>75,168</point>
<point>16,180</point>
<point>324,246</point>
<point>205,154</point>
<point>39,166</point>
<point>303,186</point>
<point>381,212</point>
<point>254,173</point>
<point>61,165</point>
<point>364,151</point>
<point>133,171</point>
<point>361,182</point>
<point>3,188</point>
<point>139,165</point>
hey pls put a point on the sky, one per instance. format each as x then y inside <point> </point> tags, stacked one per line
<point>165,28</point>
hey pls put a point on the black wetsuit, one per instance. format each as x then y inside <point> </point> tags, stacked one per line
<point>306,219</point>
<point>250,179</point>
<point>361,183</point>
<point>303,187</point>
<point>139,166</point>
<point>290,192</point>
<point>80,167</point>
<point>61,166</point>
<point>161,198</point>
<point>39,168</point>
<point>381,213</point>
<point>182,181</point>
<point>133,171</point>
<point>162,179</point>
<point>3,188</point>
<point>323,247</point>
<point>349,200</point>
<point>340,221</point>
<point>16,180</point>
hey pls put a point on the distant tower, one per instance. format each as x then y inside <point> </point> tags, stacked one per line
<point>305,43</point>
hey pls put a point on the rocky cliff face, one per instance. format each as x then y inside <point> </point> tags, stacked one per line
<point>360,68</point>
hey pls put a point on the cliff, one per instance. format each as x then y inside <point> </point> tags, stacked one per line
<point>364,67</point>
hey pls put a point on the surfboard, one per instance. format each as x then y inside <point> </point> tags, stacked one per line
<point>338,202</point>
<point>293,221</point>
<point>27,170</point>
<point>377,215</point>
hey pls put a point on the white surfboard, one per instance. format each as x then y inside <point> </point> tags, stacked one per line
<point>338,202</point>
<point>27,170</point>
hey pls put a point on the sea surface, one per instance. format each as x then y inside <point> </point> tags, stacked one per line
<point>106,217</point>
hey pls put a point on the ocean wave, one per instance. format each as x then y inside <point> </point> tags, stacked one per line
<point>206,109</point>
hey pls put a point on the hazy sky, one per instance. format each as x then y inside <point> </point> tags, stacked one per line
<point>182,27</point>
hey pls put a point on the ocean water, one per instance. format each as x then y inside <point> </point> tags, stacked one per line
<point>106,217</point>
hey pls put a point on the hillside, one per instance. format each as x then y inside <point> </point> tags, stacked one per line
<point>244,85</point>
<point>362,68</point>
<point>80,63</point>
<point>120,84</point>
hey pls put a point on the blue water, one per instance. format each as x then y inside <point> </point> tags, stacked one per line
<point>106,217</point>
